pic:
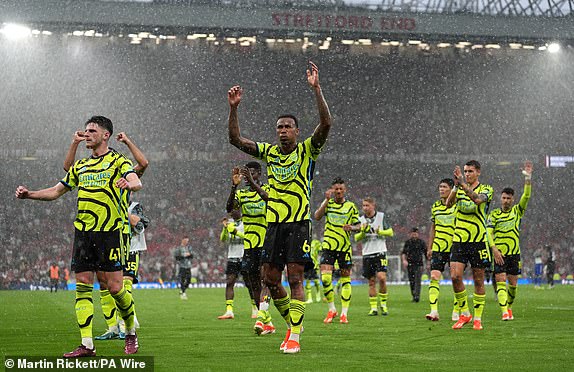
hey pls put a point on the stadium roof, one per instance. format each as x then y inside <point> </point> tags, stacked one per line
<point>531,22</point>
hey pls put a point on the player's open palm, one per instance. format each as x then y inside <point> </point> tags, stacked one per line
<point>527,170</point>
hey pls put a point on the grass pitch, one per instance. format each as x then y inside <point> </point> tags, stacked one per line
<point>186,335</point>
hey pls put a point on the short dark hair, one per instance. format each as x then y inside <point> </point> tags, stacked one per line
<point>289,116</point>
<point>415,229</point>
<point>448,181</point>
<point>253,164</point>
<point>508,190</point>
<point>370,200</point>
<point>473,163</point>
<point>337,180</point>
<point>102,122</point>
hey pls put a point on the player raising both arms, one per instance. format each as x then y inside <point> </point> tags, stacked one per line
<point>104,181</point>
<point>504,238</point>
<point>290,169</point>
<point>472,199</point>
<point>440,242</point>
<point>138,222</point>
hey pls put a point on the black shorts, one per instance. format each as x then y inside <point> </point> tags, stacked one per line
<point>512,265</point>
<point>373,264</point>
<point>311,274</point>
<point>251,262</point>
<point>132,265</point>
<point>233,266</point>
<point>288,243</point>
<point>99,251</point>
<point>475,253</point>
<point>344,259</point>
<point>439,260</point>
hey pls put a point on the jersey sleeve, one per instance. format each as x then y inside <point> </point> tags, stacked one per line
<point>262,150</point>
<point>488,191</point>
<point>126,167</point>
<point>524,199</point>
<point>71,179</point>
<point>355,215</point>
<point>314,151</point>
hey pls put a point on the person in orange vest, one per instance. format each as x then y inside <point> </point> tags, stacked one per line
<point>65,279</point>
<point>54,277</point>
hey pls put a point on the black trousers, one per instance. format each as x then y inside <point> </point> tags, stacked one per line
<point>415,272</point>
<point>184,278</point>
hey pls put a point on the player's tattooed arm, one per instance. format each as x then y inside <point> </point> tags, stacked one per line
<point>244,144</point>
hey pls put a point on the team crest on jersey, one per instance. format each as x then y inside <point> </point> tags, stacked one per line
<point>82,170</point>
<point>284,174</point>
<point>105,165</point>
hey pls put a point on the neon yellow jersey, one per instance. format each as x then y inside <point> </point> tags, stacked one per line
<point>443,219</point>
<point>290,179</point>
<point>505,226</point>
<point>470,225</point>
<point>102,206</point>
<point>253,211</point>
<point>337,215</point>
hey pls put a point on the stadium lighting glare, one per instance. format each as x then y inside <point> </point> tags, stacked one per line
<point>395,43</point>
<point>36,32</point>
<point>515,45</point>
<point>15,32</point>
<point>543,47</point>
<point>443,45</point>
<point>553,48</point>
<point>269,41</point>
<point>477,46</point>
<point>414,42</point>
<point>78,33</point>
<point>47,33</point>
<point>530,47</point>
<point>492,46</point>
<point>347,42</point>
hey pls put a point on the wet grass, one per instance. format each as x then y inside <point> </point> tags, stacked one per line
<point>185,335</point>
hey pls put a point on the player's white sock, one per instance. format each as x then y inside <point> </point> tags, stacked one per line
<point>294,336</point>
<point>88,342</point>
<point>332,307</point>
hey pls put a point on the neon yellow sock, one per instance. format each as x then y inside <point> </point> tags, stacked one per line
<point>108,308</point>
<point>502,296</point>
<point>478,301</point>
<point>327,281</point>
<point>283,306</point>
<point>126,307</point>
<point>512,289</point>
<point>346,291</point>
<point>434,291</point>
<point>383,300</point>
<point>373,303</point>
<point>84,308</point>
<point>128,284</point>
<point>229,306</point>
<point>462,300</point>
<point>296,314</point>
